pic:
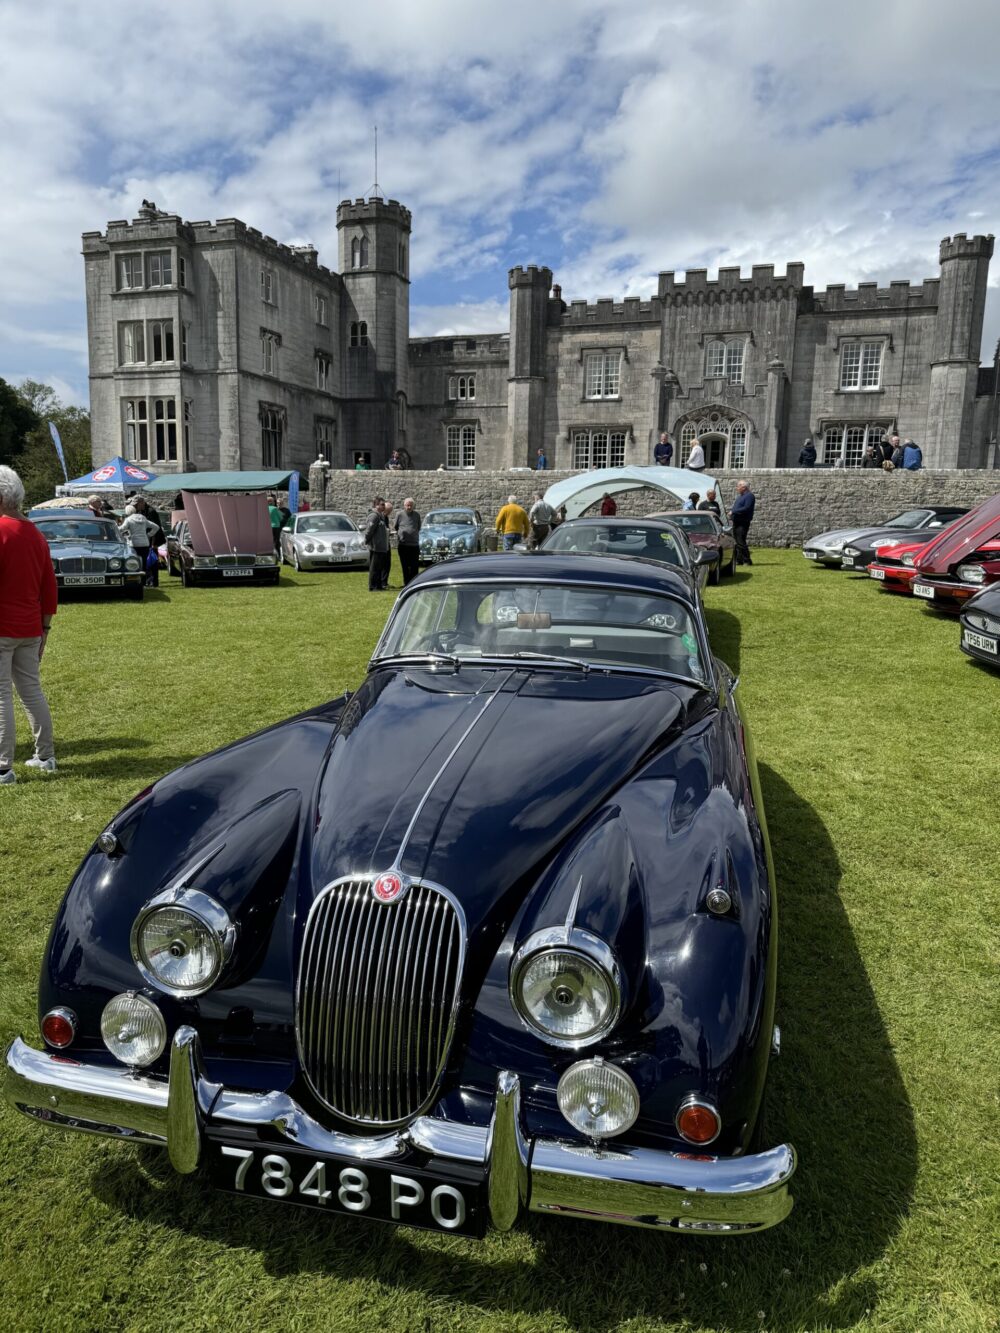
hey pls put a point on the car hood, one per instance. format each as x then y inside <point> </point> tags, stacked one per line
<point>449,530</point>
<point>350,538</point>
<point>472,780</point>
<point>874,536</point>
<point>961,538</point>
<point>108,550</point>
<point>224,524</point>
<point>842,535</point>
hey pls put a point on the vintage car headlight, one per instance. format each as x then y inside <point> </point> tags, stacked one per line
<point>566,986</point>
<point>133,563</point>
<point>598,1099</point>
<point>321,547</point>
<point>133,1029</point>
<point>459,544</point>
<point>850,550</point>
<point>114,563</point>
<point>204,561</point>
<point>893,541</point>
<point>909,559</point>
<point>182,940</point>
<point>266,560</point>
<point>971,573</point>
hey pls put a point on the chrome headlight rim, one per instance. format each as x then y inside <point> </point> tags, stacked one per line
<point>155,1017</point>
<point>209,914</point>
<point>971,573</point>
<point>594,951</point>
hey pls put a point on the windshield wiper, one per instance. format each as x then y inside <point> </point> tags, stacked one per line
<point>550,657</point>
<point>449,659</point>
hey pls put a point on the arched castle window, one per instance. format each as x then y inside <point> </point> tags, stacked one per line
<point>359,334</point>
<point>364,252</point>
<point>356,253</point>
<point>724,359</point>
<point>402,258</point>
<point>738,444</point>
<point>462,387</point>
<point>688,433</point>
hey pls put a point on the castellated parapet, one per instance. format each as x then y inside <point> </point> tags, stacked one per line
<point>605,311</point>
<point>373,210</point>
<point>730,286</point>
<point>961,246</point>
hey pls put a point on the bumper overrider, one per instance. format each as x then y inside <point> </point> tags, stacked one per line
<point>601,1181</point>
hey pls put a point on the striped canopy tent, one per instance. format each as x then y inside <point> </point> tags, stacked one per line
<point>578,493</point>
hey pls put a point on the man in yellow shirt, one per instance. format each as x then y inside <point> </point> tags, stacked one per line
<point>512,523</point>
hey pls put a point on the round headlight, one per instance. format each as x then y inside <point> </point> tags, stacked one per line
<point>132,563</point>
<point>598,1099</point>
<point>458,544</point>
<point>114,563</point>
<point>568,993</point>
<point>971,573</point>
<point>320,546</point>
<point>309,547</point>
<point>181,942</point>
<point>133,1029</point>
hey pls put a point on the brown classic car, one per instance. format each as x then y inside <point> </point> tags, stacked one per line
<point>964,559</point>
<point>223,538</point>
<point>706,532</point>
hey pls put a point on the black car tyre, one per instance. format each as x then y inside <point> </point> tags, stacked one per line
<point>715,573</point>
<point>295,561</point>
<point>732,564</point>
<point>187,580</point>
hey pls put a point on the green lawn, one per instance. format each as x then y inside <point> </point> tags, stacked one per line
<point>878,748</point>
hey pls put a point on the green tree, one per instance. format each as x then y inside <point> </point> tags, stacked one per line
<point>17,420</point>
<point>38,463</point>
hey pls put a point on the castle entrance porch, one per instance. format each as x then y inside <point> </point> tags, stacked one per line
<point>715,450</point>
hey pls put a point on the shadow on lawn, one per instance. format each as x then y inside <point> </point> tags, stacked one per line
<point>724,635</point>
<point>836,1093</point>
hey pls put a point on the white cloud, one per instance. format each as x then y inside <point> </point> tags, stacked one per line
<point>460,318</point>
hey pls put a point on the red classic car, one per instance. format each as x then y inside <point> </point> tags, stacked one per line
<point>894,567</point>
<point>706,532</point>
<point>962,559</point>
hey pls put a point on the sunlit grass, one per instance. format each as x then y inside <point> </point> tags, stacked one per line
<point>877,741</point>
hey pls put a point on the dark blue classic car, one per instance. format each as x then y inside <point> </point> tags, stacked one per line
<point>89,552</point>
<point>495,933</point>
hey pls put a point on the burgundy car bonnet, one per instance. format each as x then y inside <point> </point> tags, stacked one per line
<point>228,524</point>
<point>962,537</point>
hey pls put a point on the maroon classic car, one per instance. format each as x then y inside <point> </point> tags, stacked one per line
<point>224,538</point>
<point>706,532</point>
<point>962,560</point>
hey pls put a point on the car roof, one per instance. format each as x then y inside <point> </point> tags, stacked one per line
<point>452,509</point>
<point>39,515</point>
<point>626,571</point>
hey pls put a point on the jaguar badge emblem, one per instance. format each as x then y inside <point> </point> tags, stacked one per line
<point>388,886</point>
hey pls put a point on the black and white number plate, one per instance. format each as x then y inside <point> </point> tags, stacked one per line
<point>385,1191</point>
<point>811,555</point>
<point>847,561</point>
<point>922,590</point>
<point>877,574</point>
<point>986,643</point>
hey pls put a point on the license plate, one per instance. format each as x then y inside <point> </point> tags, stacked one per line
<point>89,580</point>
<point>847,561</point>
<point>984,642</point>
<point>922,590</point>
<point>811,555</point>
<point>237,573</point>
<point>877,574</point>
<point>365,1189</point>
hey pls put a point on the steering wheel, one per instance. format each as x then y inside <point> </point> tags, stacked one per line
<point>444,641</point>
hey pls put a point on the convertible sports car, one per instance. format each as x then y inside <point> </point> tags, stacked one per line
<point>894,567</point>
<point>528,964</point>
<point>829,548</point>
<point>965,558</point>
<point>707,533</point>
<point>322,539</point>
<point>446,532</point>
<point>651,539</point>
<point>981,626</point>
<point>89,552</point>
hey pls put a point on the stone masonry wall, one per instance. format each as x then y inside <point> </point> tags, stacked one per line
<point>792,504</point>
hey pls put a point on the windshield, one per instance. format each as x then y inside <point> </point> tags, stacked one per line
<point>450,517</point>
<point>324,523</point>
<point>79,530</point>
<point>617,539</point>
<point>910,518</point>
<point>589,625</point>
<point>694,522</point>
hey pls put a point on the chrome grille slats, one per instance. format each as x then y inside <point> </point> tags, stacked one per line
<point>377,996</point>
<point>86,564</point>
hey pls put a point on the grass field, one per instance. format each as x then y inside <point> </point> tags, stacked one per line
<point>878,747</point>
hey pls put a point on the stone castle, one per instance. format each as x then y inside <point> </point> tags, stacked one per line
<point>213,346</point>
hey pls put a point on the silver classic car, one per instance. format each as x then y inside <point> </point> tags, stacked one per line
<point>90,552</point>
<point>446,532</point>
<point>322,539</point>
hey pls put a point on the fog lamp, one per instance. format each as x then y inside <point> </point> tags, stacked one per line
<point>598,1099</point>
<point>698,1121</point>
<point>59,1028</point>
<point>133,1029</point>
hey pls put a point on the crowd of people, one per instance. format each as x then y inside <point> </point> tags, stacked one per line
<point>888,454</point>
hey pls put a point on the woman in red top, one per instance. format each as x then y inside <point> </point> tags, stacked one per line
<point>28,599</point>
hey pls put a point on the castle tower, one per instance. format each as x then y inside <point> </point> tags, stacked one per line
<point>374,259</point>
<point>529,308</point>
<point>958,331</point>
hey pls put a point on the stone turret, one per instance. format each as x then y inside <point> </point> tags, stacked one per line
<point>529,309</point>
<point>965,262</point>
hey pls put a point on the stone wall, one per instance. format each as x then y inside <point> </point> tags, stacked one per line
<point>792,503</point>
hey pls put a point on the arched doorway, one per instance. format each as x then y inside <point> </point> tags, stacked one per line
<point>715,446</point>
<point>723,438</point>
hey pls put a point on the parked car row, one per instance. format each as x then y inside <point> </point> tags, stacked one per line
<point>948,557</point>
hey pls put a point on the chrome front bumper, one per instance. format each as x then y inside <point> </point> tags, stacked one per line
<point>640,1187</point>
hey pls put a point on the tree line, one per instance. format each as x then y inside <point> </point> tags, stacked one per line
<point>26,442</point>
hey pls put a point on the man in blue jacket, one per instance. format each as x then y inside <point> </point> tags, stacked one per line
<point>664,451</point>
<point>742,516</point>
<point>912,457</point>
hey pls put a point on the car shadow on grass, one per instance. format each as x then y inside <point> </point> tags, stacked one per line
<point>835,1092</point>
<point>724,636</point>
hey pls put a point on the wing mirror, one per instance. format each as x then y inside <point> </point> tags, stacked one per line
<point>703,556</point>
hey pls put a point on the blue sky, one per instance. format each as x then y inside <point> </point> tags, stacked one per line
<point>609,139</point>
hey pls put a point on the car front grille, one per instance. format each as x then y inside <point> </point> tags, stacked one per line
<point>978,621</point>
<point>377,994</point>
<point>230,560</point>
<point>87,564</point>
